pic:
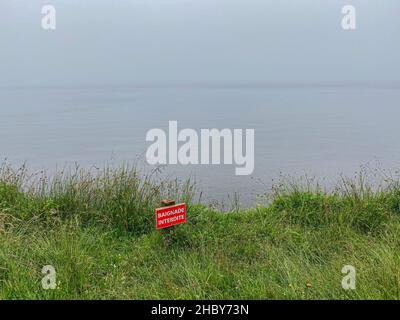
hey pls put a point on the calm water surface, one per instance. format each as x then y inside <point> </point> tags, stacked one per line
<point>322,131</point>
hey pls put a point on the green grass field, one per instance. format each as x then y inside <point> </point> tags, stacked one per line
<point>97,230</point>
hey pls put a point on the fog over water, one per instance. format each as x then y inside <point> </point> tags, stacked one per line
<point>322,100</point>
<point>324,131</point>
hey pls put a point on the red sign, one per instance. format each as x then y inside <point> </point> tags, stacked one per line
<point>170,216</point>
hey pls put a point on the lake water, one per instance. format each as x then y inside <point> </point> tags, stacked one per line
<point>321,131</point>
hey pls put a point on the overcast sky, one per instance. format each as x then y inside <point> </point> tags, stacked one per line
<point>136,42</point>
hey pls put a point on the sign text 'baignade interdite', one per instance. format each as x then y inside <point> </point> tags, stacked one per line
<point>170,216</point>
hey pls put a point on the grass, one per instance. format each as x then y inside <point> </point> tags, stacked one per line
<point>97,230</point>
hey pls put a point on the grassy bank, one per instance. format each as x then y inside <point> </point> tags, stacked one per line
<point>97,230</point>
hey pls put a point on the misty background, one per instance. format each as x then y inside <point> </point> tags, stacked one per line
<point>322,101</point>
<point>184,42</point>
